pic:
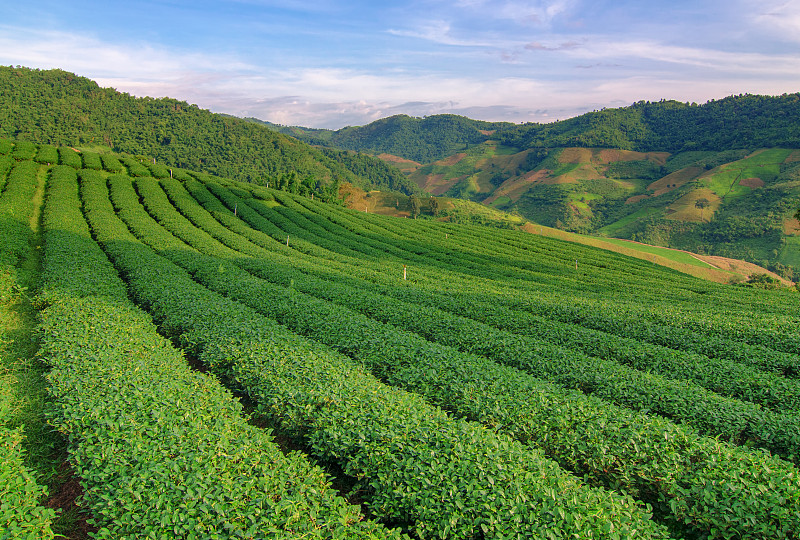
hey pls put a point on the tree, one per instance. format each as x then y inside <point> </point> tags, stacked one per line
<point>413,205</point>
<point>701,204</point>
<point>434,206</point>
<point>797,215</point>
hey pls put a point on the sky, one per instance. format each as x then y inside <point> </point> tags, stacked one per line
<point>334,63</point>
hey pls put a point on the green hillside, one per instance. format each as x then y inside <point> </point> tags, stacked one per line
<point>732,123</point>
<point>57,107</point>
<point>223,360</point>
<point>420,139</point>
<point>743,121</point>
<point>718,179</point>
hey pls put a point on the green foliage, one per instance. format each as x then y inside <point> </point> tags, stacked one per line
<point>371,173</point>
<point>134,166</point>
<point>158,170</point>
<point>645,169</point>
<point>56,107</point>
<point>67,156</point>
<point>545,204</point>
<point>24,150</point>
<point>111,163</point>
<point>91,160</point>
<point>762,281</point>
<point>161,449</point>
<point>21,516</point>
<point>310,391</point>
<point>704,159</point>
<point>743,121</point>
<point>420,139</point>
<point>385,350</point>
<point>47,154</point>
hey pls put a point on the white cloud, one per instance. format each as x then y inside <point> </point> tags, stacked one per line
<point>779,17</point>
<point>539,13</point>
<point>440,32</point>
<point>601,49</point>
<point>539,89</point>
<point>91,57</point>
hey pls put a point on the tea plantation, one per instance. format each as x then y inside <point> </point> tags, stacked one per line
<point>227,361</point>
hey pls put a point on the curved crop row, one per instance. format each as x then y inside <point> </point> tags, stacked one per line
<point>21,514</point>
<point>734,379</point>
<point>679,338</point>
<point>666,465</point>
<point>162,451</point>
<point>718,375</point>
<point>740,422</point>
<point>406,453</point>
<point>494,240</point>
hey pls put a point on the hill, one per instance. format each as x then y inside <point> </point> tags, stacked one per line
<point>732,123</point>
<point>736,122</point>
<point>550,388</point>
<point>720,179</point>
<point>419,139</point>
<point>678,175</point>
<point>57,107</point>
<point>736,204</point>
<point>635,173</point>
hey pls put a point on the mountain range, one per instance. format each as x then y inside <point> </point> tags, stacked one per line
<point>720,178</point>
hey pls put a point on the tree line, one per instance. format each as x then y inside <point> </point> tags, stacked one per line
<point>60,108</point>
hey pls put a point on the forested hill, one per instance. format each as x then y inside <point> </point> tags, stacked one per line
<point>736,122</point>
<point>420,139</point>
<point>732,123</point>
<point>57,107</point>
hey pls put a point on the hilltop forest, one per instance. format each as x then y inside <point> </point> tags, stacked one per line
<point>57,107</point>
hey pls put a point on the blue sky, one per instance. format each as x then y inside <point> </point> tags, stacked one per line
<point>331,63</point>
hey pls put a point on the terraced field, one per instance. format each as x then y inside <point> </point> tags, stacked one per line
<point>400,378</point>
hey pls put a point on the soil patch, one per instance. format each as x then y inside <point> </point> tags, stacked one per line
<point>751,182</point>
<point>611,155</point>
<point>451,160</point>
<point>675,180</point>
<point>635,199</point>
<point>513,188</point>
<point>793,157</point>
<point>405,165</point>
<point>575,155</point>
<point>66,500</point>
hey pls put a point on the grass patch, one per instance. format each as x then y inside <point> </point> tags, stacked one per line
<point>501,202</point>
<point>790,254</point>
<point>670,254</point>
<point>613,229</point>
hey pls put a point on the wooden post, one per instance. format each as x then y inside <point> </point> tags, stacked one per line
<point>576,264</point>
<point>287,240</point>
<point>404,272</point>
<point>170,173</point>
<point>235,208</point>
